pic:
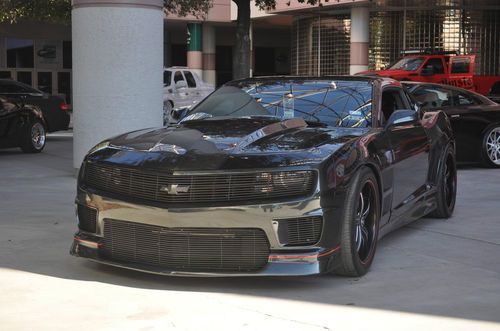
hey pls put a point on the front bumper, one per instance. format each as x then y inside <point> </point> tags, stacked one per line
<point>282,261</point>
<point>302,263</point>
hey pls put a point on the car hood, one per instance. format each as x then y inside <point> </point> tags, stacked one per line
<point>226,144</point>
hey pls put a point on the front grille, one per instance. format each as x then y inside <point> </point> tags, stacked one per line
<point>87,218</point>
<point>185,249</point>
<point>224,188</point>
<point>300,231</point>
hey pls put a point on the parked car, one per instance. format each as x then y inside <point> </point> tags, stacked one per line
<point>182,89</point>
<point>54,108</point>
<point>475,119</point>
<point>441,67</point>
<point>21,125</point>
<point>269,176</point>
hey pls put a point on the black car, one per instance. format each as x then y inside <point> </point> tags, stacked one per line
<point>475,119</point>
<point>54,108</point>
<point>267,176</point>
<point>21,125</point>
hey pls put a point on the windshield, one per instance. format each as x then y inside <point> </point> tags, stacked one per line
<point>408,64</point>
<point>344,103</point>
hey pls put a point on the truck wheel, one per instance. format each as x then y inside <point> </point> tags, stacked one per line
<point>34,137</point>
<point>360,221</point>
<point>491,147</point>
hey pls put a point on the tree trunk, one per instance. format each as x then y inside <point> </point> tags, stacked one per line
<point>241,55</point>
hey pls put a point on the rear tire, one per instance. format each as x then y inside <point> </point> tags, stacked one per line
<point>491,147</point>
<point>34,137</point>
<point>447,186</point>
<point>360,222</point>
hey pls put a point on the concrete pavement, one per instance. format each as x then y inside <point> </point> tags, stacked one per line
<point>431,275</point>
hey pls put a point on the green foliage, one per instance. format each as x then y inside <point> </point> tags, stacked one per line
<point>55,11</point>
<point>271,4</point>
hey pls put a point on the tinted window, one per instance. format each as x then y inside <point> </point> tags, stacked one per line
<point>436,64</point>
<point>178,77</point>
<point>432,97</point>
<point>391,101</point>
<point>190,79</point>
<point>461,99</point>
<point>167,77</point>
<point>336,103</point>
<point>460,66</point>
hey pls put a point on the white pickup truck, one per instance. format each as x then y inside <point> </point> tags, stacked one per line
<point>182,88</point>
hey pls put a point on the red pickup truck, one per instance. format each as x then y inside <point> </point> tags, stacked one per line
<point>444,68</point>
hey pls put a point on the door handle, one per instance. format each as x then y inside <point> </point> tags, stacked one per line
<point>455,116</point>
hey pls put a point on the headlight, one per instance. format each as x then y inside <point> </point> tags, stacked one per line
<point>99,146</point>
<point>267,182</point>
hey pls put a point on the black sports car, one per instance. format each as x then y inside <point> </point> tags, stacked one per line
<point>54,108</point>
<point>475,119</point>
<point>21,125</point>
<point>270,176</point>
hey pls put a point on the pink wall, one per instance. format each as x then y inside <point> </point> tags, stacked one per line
<point>282,7</point>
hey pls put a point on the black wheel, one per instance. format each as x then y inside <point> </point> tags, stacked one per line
<point>34,137</point>
<point>446,186</point>
<point>491,147</point>
<point>359,231</point>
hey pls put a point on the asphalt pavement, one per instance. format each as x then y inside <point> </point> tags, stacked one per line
<point>431,275</point>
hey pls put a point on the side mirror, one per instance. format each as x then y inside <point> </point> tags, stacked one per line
<point>180,84</point>
<point>402,116</point>
<point>427,71</point>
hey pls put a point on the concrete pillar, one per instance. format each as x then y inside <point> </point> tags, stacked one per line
<point>117,69</point>
<point>209,74</point>
<point>194,54</point>
<point>360,37</point>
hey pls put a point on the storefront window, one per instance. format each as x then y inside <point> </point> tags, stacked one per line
<point>45,82</point>
<point>25,77</point>
<point>19,53</point>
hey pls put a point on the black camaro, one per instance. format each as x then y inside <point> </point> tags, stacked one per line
<point>269,176</point>
<point>475,119</point>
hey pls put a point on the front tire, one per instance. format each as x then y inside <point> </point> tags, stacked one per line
<point>34,137</point>
<point>491,147</point>
<point>167,112</point>
<point>360,222</point>
<point>446,186</point>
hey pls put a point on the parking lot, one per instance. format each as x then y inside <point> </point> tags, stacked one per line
<point>431,275</point>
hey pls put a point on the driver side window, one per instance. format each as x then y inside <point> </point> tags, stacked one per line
<point>391,101</point>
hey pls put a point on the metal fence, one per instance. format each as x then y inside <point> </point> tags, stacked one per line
<point>320,44</point>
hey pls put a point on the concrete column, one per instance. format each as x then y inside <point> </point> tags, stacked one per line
<point>360,37</point>
<point>194,54</point>
<point>209,74</point>
<point>117,69</point>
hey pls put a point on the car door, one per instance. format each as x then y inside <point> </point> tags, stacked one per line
<point>438,68</point>
<point>410,152</point>
<point>461,71</point>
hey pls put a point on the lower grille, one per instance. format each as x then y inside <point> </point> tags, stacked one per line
<point>186,249</point>
<point>87,218</point>
<point>300,231</point>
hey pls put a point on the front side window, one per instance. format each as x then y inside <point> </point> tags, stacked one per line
<point>436,64</point>
<point>408,64</point>
<point>433,97</point>
<point>190,79</point>
<point>342,103</point>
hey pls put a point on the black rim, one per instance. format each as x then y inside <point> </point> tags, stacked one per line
<point>366,222</point>
<point>449,182</point>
